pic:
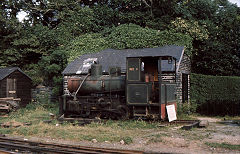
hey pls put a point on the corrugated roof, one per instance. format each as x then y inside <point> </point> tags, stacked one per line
<point>112,57</point>
<point>4,72</point>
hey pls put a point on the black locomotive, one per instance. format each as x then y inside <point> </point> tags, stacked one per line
<point>148,85</point>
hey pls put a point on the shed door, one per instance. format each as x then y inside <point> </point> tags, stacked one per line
<point>11,87</point>
<point>185,88</point>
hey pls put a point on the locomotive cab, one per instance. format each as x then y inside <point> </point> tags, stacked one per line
<point>150,85</point>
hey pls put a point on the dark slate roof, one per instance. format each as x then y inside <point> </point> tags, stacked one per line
<point>112,57</point>
<point>4,72</point>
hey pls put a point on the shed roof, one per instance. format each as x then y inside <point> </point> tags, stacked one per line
<point>4,72</point>
<point>112,57</point>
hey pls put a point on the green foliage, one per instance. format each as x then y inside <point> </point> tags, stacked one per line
<point>104,16</point>
<point>50,68</point>
<point>161,23</point>
<point>28,40</point>
<point>190,27</point>
<point>196,9</point>
<point>37,39</point>
<point>206,87</point>
<point>33,71</point>
<point>130,124</point>
<point>218,90</point>
<point>209,31</point>
<point>131,36</point>
<point>33,112</point>
<point>58,87</point>
<point>127,140</point>
<point>126,36</point>
<point>186,108</point>
<point>82,20</point>
<point>219,54</point>
<point>10,57</point>
<point>87,43</point>
<point>136,17</point>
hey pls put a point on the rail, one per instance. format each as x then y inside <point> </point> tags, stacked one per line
<point>33,146</point>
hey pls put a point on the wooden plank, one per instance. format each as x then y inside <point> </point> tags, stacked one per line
<point>5,107</point>
<point>7,98</point>
<point>17,99</point>
<point>12,92</point>
<point>10,99</point>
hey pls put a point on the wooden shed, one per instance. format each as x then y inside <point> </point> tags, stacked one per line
<point>15,83</point>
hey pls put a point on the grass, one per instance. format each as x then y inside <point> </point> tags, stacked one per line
<point>103,132</point>
<point>230,117</point>
<point>223,145</point>
<point>36,113</point>
<point>155,138</point>
<point>69,132</point>
<point>184,116</point>
<point>110,130</point>
<point>129,124</point>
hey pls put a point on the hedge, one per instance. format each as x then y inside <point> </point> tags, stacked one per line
<point>218,95</point>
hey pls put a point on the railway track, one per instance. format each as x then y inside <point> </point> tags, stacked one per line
<point>40,147</point>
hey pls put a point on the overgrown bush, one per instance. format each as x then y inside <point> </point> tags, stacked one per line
<point>217,95</point>
<point>131,36</point>
<point>187,108</point>
<point>126,36</point>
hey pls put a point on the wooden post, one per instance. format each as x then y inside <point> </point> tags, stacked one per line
<point>160,85</point>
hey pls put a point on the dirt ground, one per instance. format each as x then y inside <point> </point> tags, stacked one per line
<point>175,140</point>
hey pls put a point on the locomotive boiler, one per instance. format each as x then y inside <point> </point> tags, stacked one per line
<point>147,86</point>
<point>96,82</point>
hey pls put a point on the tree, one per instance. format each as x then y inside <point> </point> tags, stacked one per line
<point>9,29</point>
<point>219,54</point>
<point>209,30</point>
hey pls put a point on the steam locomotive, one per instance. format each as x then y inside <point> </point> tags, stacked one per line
<point>148,85</point>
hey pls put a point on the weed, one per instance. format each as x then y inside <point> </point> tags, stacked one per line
<point>223,145</point>
<point>158,135</point>
<point>228,132</point>
<point>154,138</point>
<point>187,108</point>
<point>192,135</point>
<point>137,124</point>
<point>127,140</point>
<point>185,111</point>
<point>211,130</point>
<point>130,124</point>
<point>6,131</point>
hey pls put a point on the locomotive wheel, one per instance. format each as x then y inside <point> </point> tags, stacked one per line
<point>95,115</point>
<point>124,112</point>
<point>85,111</point>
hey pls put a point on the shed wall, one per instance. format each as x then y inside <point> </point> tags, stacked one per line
<point>3,87</point>
<point>0,89</point>
<point>24,85</point>
<point>184,68</point>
